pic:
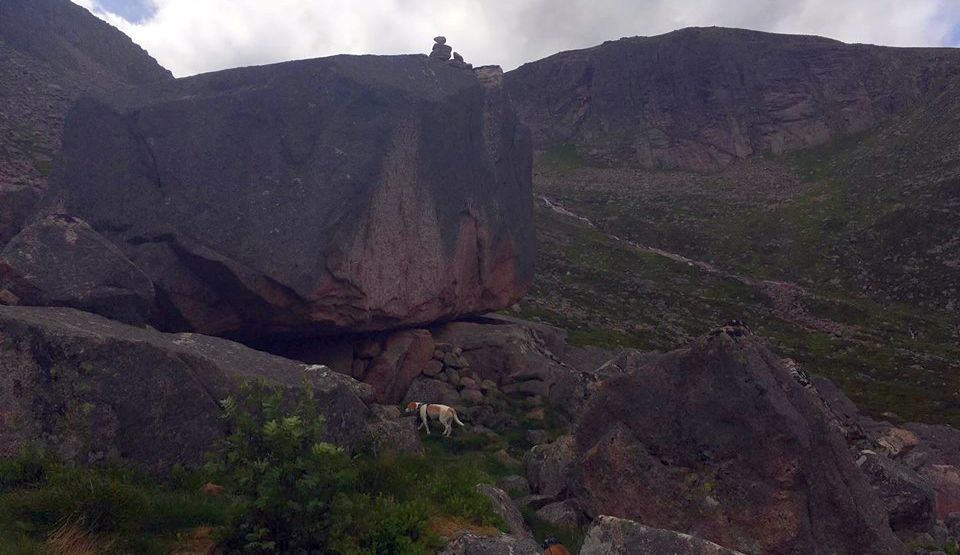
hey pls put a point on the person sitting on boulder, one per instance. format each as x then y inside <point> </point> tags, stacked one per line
<point>552,546</point>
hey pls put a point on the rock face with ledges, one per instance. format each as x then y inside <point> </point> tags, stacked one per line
<point>344,193</point>
<point>702,98</point>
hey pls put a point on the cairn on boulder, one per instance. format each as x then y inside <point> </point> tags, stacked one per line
<point>441,50</point>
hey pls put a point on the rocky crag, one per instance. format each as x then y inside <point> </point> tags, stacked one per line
<point>703,98</point>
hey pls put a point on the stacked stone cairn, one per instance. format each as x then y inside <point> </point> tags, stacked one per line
<point>441,51</point>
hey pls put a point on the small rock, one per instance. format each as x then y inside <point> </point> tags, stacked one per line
<point>457,57</point>
<point>455,361</point>
<point>514,485</point>
<point>563,513</point>
<point>452,376</point>
<point>472,396</point>
<point>440,40</point>
<point>536,437</point>
<point>898,442</point>
<point>438,354</point>
<point>433,368</point>
<point>469,383</point>
<point>488,385</point>
<point>537,414</point>
<point>441,52</point>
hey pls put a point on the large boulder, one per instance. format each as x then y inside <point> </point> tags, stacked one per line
<point>94,389</point>
<point>719,441</point>
<point>345,193</point>
<point>908,498</point>
<point>617,536</point>
<point>549,466</point>
<point>61,261</point>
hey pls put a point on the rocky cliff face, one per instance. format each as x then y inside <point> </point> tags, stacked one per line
<point>52,52</point>
<point>702,98</point>
<point>344,193</point>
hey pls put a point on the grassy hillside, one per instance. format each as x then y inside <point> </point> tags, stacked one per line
<point>844,256</point>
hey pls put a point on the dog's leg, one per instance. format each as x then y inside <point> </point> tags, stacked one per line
<point>425,417</point>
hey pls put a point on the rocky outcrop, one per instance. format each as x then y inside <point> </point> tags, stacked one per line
<point>51,53</point>
<point>61,261</point>
<point>92,389</point>
<point>720,441</point>
<point>703,98</point>
<point>615,536</point>
<point>392,432</point>
<point>346,193</point>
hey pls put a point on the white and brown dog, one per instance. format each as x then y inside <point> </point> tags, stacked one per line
<point>446,415</point>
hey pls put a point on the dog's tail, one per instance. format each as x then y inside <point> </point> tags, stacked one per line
<point>456,419</point>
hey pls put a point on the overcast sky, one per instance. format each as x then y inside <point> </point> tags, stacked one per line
<point>194,36</point>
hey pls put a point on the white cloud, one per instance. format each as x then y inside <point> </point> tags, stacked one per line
<point>193,36</point>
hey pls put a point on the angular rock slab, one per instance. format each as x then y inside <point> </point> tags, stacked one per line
<point>719,440</point>
<point>61,261</point>
<point>502,544</point>
<point>89,388</point>
<point>617,536</point>
<point>350,193</point>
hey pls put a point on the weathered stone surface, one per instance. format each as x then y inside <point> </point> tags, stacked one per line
<point>471,396</point>
<point>89,388</point>
<point>428,390</point>
<point>502,544</point>
<point>404,356</point>
<point>617,536</point>
<point>391,432</point>
<point>563,514</point>
<point>703,98</point>
<point>908,498</point>
<point>719,440</point>
<point>61,261</point>
<point>549,466</point>
<point>312,196</point>
<point>945,480</point>
<point>504,507</point>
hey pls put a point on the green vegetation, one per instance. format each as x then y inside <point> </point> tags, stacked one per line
<point>563,159</point>
<point>285,490</point>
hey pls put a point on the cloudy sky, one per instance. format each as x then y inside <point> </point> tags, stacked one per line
<point>194,36</point>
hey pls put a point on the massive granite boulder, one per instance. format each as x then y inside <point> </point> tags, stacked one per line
<point>344,193</point>
<point>718,440</point>
<point>92,389</point>
<point>702,98</point>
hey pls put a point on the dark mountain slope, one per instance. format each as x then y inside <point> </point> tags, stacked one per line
<point>702,98</point>
<point>52,52</point>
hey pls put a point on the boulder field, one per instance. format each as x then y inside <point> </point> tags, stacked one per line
<point>350,193</point>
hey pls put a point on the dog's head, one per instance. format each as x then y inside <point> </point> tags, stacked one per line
<point>412,406</point>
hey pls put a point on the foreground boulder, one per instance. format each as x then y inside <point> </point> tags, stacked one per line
<point>91,389</point>
<point>345,193</point>
<point>617,536</point>
<point>719,441</point>
<point>61,261</point>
